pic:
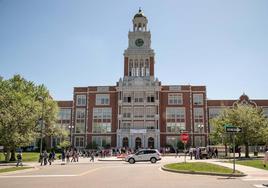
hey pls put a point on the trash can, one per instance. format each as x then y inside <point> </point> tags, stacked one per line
<point>255,153</point>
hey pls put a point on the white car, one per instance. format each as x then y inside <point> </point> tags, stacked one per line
<point>152,155</point>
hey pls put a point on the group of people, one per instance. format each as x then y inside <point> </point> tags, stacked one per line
<point>200,153</point>
<point>46,157</point>
<point>72,155</point>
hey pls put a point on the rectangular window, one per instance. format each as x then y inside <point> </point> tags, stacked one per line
<point>198,99</point>
<point>126,125</point>
<point>79,142</point>
<point>138,125</point>
<point>265,111</point>
<point>81,100</point>
<point>150,125</point>
<point>174,98</point>
<point>102,141</point>
<point>150,112</point>
<point>175,118</point>
<point>80,126</point>
<point>102,99</point>
<point>138,112</point>
<point>126,112</point>
<point>64,114</point>
<point>198,119</point>
<point>172,141</point>
<point>102,120</point>
<point>175,127</point>
<point>150,97</point>
<point>127,97</point>
<point>138,97</point>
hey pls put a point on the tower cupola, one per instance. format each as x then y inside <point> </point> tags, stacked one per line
<point>140,22</point>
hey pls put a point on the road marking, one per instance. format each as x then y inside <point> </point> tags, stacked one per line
<point>40,176</point>
<point>255,179</point>
<point>259,186</point>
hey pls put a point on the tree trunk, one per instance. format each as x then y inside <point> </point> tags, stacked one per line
<point>225,148</point>
<point>12,158</point>
<point>246,150</point>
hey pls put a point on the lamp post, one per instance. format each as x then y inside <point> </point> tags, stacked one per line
<point>71,127</point>
<point>201,126</point>
<point>42,99</point>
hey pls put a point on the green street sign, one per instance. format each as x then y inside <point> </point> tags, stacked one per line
<point>233,129</point>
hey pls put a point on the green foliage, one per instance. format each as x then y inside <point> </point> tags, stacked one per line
<point>11,169</point>
<point>21,106</point>
<point>257,163</point>
<point>200,167</point>
<point>252,121</point>
<point>65,144</point>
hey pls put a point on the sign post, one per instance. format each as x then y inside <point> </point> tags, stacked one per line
<point>233,130</point>
<point>184,139</point>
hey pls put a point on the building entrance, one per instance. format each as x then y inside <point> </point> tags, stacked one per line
<point>138,143</point>
<point>151,143</point>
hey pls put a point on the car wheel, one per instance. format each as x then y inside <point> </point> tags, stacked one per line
<point>153,160</point>
<point>131,161</point>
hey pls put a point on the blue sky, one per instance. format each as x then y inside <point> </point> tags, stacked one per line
<point>222,44</point>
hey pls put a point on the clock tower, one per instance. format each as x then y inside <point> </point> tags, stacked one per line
<point>139,57</point>
<point>138,91</point>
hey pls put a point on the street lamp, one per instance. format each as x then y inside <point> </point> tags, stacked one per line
<point>201,126</point>
<point>71,127</point>
<point>42,99</point>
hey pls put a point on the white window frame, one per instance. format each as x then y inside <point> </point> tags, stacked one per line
<point>102,99</point>
<point>81,100</point>
<point>175,99</point>
<point>198,99</point>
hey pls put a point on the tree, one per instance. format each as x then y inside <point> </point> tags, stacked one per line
<point>20,111</point>
<point>252,121</point>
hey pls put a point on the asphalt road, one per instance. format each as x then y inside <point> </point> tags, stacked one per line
<point>118,174</point>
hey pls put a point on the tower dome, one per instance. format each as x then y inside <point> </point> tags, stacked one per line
<point>140,21</point>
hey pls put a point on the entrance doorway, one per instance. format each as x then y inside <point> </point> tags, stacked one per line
<point>138,143</point>
<point>125,142</point>
<point>151,143</point>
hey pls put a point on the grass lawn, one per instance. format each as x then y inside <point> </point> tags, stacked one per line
<point>256,163</point>
<point>26,156</point>
<point>200,167</point>
<point>13,169</point>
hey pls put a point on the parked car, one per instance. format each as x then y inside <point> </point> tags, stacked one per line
<point>152,155</point>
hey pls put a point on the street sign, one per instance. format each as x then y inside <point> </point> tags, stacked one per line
<point>184,137</point>
<point>230,129</point>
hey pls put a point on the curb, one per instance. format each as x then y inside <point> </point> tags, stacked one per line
<point>202,173</point>
<point>32,168</point>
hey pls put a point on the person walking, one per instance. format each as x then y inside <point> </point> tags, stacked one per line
<point>92,157</point>
<point>41,158</point>
<point>265,159</point>
<point>19,158</point>
<point>50,157</point>
<point>45,157</point>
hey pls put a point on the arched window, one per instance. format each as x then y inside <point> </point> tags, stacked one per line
<point>125,142</point>
<point>151,143</point>
<point>138,143</point>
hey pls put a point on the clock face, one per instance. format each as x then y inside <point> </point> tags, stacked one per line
<point>139,42</point>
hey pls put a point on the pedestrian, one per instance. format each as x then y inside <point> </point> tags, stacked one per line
<point>50,157</point>
<point>45,155</point>
<point>41,158</point>
<point>63,156</point>
<point>19,158</point>
<point>177,153</point>
<point>216,153</point>
<point>265,159</point>
<point>191,153</point>
<point>92,157</point>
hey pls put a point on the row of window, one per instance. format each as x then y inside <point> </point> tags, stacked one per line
<point>99,141</point>
<point>173,98</point>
